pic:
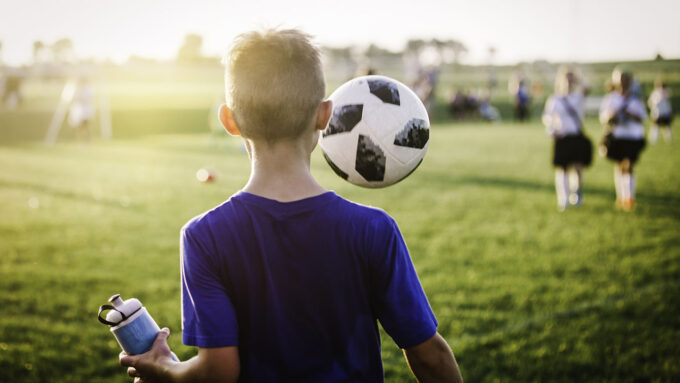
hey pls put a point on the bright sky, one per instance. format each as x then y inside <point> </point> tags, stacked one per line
<point>521,30</point>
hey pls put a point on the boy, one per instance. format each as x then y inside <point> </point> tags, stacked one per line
<point>285,280</point>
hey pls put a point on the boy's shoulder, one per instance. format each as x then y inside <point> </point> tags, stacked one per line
<point>328,205</point>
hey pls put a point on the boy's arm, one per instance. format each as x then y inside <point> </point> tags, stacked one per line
<point>433,361</point>
<point>220,364</point>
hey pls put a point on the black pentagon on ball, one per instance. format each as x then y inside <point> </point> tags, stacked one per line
<point>415,134</point>
<point>344,119</point>
<point>370,162</point>
<point>335,167</point>
<point>387,91</point>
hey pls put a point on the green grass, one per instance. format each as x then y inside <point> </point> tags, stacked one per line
<point>522,293</point>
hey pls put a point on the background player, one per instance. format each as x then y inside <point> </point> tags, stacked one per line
<point>572,150</point>
<point>660,112</point>
<point>623,114</point>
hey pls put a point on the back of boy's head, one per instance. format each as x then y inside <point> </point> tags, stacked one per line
<point>274,83</point>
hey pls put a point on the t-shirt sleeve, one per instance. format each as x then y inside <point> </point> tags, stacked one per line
<point>208,316</point>
<point>398,297</point>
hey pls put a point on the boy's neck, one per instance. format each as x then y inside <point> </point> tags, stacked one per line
<point>281,171</point>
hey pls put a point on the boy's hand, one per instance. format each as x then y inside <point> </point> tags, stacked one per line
<point>152,366</point>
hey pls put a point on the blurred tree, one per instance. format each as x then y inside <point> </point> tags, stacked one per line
<point>449,51</point>
<point>340,53</point>
<point>378,59</point>
<point>62,51</point>
<point>341,62</point>
<point>190,51</point>
<point>38,49</point>
<point>415,46</point>
<point>376,52</point>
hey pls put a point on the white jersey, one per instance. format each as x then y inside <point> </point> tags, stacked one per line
<point>614,103</point>
<point>559,121</point>
<point>659,103</point>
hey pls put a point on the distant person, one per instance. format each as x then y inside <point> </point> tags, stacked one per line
<point>623,115</point>
<point>572,149</point>
<point>491,80</point>
<point>81,111</point>
<point>522,101</point>
<point>457,104</point>
<point>286,281</point>
<point>471,104</point>
<point>660,112</point>
<point>487,111</point>
<point>367,71</point>
<point>11,90</point>
<point>425,86</point>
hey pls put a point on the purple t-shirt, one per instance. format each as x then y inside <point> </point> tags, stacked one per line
<point>299,287</point>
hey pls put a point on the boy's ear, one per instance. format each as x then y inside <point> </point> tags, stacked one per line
<point>227,120</point>
<point>323,114</point>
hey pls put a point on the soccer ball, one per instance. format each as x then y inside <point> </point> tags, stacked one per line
<point>205,175</point>
<point>378,132</point>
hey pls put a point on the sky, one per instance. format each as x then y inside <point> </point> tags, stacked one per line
<point>519,30</point>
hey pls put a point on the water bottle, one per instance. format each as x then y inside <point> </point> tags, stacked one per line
<point>131,324</point>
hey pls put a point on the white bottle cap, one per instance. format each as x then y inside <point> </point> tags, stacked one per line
<point>123,309</point>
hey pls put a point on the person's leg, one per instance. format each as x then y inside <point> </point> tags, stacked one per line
<point>575,183</point>
<point>84,132</point>
<point>561,187</point>
<point>617,183</point>
<point>653,133</point>
<point>627,184</point>
<point>667,133</point>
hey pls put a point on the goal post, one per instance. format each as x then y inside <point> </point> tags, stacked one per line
<point>60,113</point>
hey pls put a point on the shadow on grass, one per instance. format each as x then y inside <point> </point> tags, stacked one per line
<point>658,204</point>
<point>628,338</point>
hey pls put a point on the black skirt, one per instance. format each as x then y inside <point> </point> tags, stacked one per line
<point>619,149</point>
<point>572,149</point>
<point>664,120</point>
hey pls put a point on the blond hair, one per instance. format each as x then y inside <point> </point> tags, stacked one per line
<point>274,83</point>
<point>563,84</point>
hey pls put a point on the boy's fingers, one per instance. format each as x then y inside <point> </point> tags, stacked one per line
<point>127,360</point>
<point>132,372</point>
<point>162,335</point>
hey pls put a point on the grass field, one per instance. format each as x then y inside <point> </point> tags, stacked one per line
<point>522,293</point>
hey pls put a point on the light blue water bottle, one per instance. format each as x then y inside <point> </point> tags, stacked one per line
<point>131,324</point>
